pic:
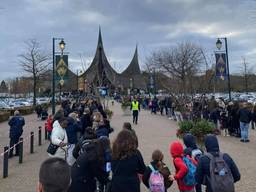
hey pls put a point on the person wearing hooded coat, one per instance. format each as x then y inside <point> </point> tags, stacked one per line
<point>193,151</point>
<point>177,153</point>
<point>203,167</point>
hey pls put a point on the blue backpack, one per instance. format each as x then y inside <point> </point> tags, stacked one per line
<point>189,179</point>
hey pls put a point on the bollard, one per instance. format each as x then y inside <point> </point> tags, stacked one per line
<point>45,133</point>
<point>21,150</point>
<point>5,162</point>
<point>32,142</point>
<point>40,136</point>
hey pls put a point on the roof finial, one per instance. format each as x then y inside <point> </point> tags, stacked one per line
<point>100,44</point>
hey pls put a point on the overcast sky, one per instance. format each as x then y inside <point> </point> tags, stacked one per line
<point>152,24</point>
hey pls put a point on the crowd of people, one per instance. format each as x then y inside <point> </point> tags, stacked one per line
<point>232,118</point>
<point>83,159</point>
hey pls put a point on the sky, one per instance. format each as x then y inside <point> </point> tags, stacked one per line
<point>151,24</point>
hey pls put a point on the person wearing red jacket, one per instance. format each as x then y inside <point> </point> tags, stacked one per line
<point>48,125</point>
<point>176,151</point>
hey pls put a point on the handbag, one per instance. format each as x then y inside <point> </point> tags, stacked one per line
<point>52,148</point>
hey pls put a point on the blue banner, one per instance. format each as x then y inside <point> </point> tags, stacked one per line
<point>221,67</point>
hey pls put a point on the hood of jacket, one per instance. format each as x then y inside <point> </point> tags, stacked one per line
<point>176,149</point>
<point>211,143</point>
<point>190,141</point>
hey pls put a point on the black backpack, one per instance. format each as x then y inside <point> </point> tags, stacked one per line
<point>88,147</point>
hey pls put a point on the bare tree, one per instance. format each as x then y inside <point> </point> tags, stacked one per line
<point>246,71</point>
<point>180,63</point>
<point>35,62</point>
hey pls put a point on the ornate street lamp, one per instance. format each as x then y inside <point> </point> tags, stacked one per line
<point>62,45</point>
<point>219,44</point>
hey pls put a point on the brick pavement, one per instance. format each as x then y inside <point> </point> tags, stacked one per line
<point>154,131</point>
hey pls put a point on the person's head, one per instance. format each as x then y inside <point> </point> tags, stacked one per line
<point>211,143</point>
<point>157,156</point>
<point>176,149</point>
<point>54,176</point>
<point>124,145</point>
<point>16,113</point>
<point>127,126</point>
<point>63,122</point>
<point>59,114</point>
<point>73,116</point>
<point>190,141</point>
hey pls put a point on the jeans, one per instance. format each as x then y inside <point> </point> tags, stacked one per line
<point>244,127</point>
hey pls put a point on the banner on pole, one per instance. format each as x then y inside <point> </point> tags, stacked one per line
<point>61,68</point>
<point>221,67</point>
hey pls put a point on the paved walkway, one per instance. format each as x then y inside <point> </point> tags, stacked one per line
<point>154,132</point>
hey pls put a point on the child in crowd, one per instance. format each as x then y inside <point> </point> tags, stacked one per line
<point>176,151</point>
<point>48,125</point>
<point>157,164</point>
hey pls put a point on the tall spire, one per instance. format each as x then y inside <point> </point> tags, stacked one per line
<point>100,43</point>
<point>133,67</point>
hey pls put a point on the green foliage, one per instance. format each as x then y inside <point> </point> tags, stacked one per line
<point>125,103</point>
<point>4,116</point>
<point>185,126</point>
<point>199,129</point>
<point>202,128</point>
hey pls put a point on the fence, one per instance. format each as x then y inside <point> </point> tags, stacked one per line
<point>29,140</point>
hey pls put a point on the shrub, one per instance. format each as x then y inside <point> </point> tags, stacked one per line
<point>202,128</point>
<point>4,115</point>
<point>184,127</point>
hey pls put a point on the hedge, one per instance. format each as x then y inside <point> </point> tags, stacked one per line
<point>4,115</point>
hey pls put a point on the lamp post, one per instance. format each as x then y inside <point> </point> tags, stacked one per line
<point>219,45</point>
<point>62,47</point>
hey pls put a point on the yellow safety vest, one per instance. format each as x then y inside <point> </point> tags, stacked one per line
<point>135,106</point>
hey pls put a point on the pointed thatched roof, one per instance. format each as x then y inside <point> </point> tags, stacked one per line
<point>100,67</point>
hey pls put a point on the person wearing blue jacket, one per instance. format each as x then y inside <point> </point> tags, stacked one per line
<point>73,128</point>
<point>16,124</point>
<point>203,167</point>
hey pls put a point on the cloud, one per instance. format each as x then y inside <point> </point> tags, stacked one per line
<point>150,23</point>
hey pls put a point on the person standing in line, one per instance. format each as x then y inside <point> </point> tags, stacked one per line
<point>211,166</point>
<point>245,118</point>
<point>16,129</point>
<point>135,107</point>
<point>127,163</point>
<point>59,137</point>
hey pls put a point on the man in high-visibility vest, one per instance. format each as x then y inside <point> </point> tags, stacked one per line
<point>135,107</point>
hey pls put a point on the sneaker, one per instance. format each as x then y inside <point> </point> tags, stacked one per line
<point>242,140</point>
<point>247,141</point>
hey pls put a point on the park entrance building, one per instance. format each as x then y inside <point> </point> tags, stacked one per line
<point>101,74</point>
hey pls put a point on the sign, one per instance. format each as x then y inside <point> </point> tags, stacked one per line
<point>221,67</point>
<point>61,74</point>
<point>103,91</point>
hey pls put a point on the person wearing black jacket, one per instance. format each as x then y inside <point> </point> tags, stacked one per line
<point>127,163</point>
<point>203,167</point>
<point>88,167</point>
<point>245,118</point>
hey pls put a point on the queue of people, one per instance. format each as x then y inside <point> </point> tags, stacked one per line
<point>80,146</point>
